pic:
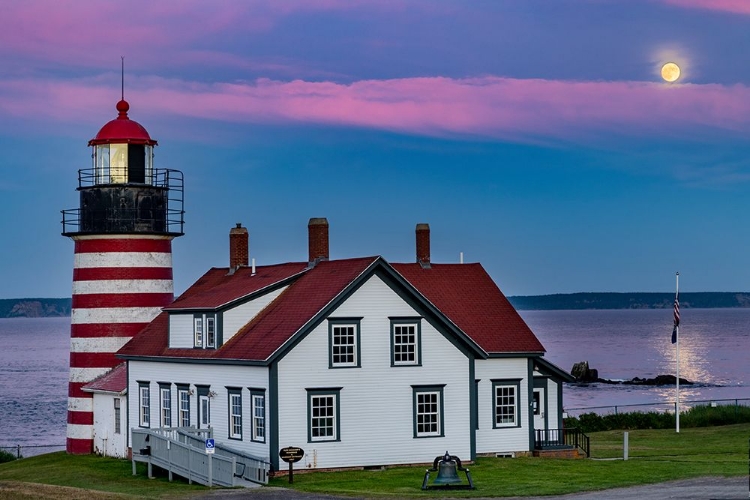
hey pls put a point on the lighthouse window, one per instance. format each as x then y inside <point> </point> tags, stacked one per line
<point>118,163</point>
<point>101,164</point>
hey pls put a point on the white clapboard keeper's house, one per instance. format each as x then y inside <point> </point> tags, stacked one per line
<point>358,361</point>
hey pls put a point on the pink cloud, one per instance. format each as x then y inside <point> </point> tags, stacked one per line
<point>736,6</point>
<point>491,107</point>
<point>94,33</point>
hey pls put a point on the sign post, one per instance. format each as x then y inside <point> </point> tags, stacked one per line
<point>291,454</point>
<point>210,450</point>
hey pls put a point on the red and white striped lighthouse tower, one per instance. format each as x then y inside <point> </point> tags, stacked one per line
<point>122,275</point>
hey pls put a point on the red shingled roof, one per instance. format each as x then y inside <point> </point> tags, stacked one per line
<point>271,328</point>
<point>217,287</point>
<point>466,294</point>
<point>115,380</point>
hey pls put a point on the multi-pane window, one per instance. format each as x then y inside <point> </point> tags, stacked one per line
<point>118,425</point>
<point>183,397</point>
<point>198,331</point>
<point>205,333</point>
<point>166,405</point>
<point>344,347</point>
<point>428,411</point>
<point>506,405</point>
<point>144,404</point>
<point>210,332</point>
<point>405,342</point>
<point>323,415</point>
<point>259,416</point>
<point>235,414</point>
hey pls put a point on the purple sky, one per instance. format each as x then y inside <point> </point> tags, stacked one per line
<point>535,136</point>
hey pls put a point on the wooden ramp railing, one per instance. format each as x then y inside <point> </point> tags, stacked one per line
<point>182,451</point>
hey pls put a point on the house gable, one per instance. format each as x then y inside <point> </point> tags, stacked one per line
<point>405,291</point>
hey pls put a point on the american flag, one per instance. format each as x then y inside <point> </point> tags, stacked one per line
<point>676,319</point>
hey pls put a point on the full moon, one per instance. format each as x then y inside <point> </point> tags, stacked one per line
<point>670,72</point>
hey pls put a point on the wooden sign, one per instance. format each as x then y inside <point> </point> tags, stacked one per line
<point>291,454</point>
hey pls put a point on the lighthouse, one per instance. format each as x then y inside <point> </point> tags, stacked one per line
<point>128,215</point>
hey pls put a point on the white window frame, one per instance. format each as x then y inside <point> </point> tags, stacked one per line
<point>323,415</point>
<point>258,408</point>
<point>144,404</point>
<point>235,413</point>
<point>198,331</point>
<point>183,406</point>
<point>506,403</point>
<point>165,404</point>
<point>428,411</point>
<point>210,332</point>
<point>409,349</point>
<point>344,329</point>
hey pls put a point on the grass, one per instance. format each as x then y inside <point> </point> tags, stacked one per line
<point>655,456</point>
<point>112,478</point>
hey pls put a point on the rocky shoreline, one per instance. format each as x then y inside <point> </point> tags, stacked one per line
<point>585,375</point>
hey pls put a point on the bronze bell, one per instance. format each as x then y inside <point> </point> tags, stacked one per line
<point>447,472</point>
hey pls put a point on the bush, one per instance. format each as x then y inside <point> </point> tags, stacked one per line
<point>6,456</point>
<point>698,416</point>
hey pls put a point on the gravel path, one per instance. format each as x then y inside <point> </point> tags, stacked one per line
<point>714,488</point>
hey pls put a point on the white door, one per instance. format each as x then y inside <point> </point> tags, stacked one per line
<point>204,412</point>
<point>540,408</point>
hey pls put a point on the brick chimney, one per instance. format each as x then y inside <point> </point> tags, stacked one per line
<point>423,245</point>
<point>317,231</point>
<point>238,247</point>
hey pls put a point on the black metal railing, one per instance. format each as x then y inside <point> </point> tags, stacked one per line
<point>155,207</point>
<point>30,450</point>
<point>667,406</point>
<point>547,439</point>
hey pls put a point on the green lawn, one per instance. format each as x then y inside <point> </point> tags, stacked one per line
<point>655,456</point>
<point>92,472</point>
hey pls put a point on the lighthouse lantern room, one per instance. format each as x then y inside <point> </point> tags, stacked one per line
<point>122,274</point>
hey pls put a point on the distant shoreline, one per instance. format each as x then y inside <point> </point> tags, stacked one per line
<point>630,300</point>
<point>51,307</point>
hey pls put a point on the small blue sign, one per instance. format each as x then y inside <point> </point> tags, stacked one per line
<point>210,445</point>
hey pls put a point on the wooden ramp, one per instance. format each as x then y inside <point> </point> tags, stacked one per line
<point>182,451</point>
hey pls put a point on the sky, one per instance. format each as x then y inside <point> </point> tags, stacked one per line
<point>534,136</point>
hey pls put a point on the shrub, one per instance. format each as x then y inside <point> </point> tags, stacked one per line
<point>6,456</point>
<point>698,416</point>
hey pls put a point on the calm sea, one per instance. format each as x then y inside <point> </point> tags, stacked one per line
<point>621,344</point>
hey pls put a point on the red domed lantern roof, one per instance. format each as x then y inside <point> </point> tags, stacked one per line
<point>122,130</point>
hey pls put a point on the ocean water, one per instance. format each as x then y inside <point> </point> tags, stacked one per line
<point>628,343</point>
<point>621,344</point>
<point>33,381</point>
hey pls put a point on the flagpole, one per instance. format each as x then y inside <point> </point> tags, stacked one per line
<point>677,328</point>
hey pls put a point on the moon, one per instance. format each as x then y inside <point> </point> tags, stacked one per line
<point>670,72</point>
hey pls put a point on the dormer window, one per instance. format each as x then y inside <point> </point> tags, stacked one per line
<point>204,331</point>
<point>210,332</point>
<point>198,331</point>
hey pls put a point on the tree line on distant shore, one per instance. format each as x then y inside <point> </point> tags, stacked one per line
<point>34,308</point>
<point>40,307</point>
<point>638,300</point>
